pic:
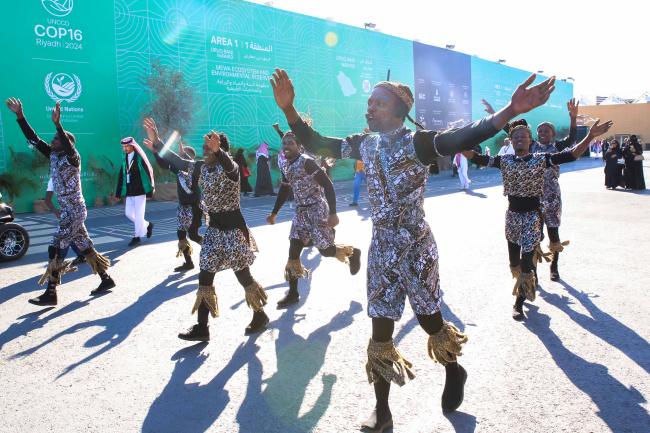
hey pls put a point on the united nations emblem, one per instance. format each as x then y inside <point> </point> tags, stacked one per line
<point>62,86</point>
<point>58,8</point>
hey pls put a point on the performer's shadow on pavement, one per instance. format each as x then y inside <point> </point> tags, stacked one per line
<point>299,360</point>
<point>461,422</point>
<point>31,284</point>
<point>310,263</point>
<point>619,407</point>
<point>37,319</point>
<point>118,327</point>
<point>189,408</point>
<point>475,194</point>
<point>602,325</point>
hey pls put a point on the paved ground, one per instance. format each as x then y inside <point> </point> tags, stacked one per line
<point>579,363</point>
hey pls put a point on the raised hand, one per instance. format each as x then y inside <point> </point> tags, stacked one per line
<point>152,130</point>
<point>488,107</point>
<point>525,99</point>
<point>214,141</point>
<point>16,106</point>
<point>599,128</point>
<point>572,106</point>
<point>56,113</point>
<point>283,91</point>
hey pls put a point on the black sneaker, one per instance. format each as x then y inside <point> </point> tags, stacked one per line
<point>104,286</point>
<point>289,299</point>
<point>355,261</point>
<point>78,260</point>
<point>135,241</point>
<point>47,298</point>
<point>258,323</point>
<point>454,392</point>
<point>149,230</point>
<point>196,333</point>
<point>354,203</point>
<point>187,266</point>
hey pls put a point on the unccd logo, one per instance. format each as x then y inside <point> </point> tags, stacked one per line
<point>58,8</point>
<point>62,86</point>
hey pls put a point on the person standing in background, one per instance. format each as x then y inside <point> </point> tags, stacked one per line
<point>507,148</point>
<point>359,177</point>
<point>263,183</point>
<point>461,164</point>
<point>612,167</point>
<point>244,172</point>
<point>135,183</point>
<point>633,154</point>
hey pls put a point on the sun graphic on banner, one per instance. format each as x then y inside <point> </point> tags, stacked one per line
<point>331,39</point>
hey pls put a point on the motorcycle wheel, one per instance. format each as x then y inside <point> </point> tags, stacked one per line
<point>14,241</point>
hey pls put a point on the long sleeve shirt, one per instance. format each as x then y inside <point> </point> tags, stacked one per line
<point>523,177</point>
<point>186,185</point>
<point>64,167</point>
<point>396,163</point>
<point>219,183</point>
<point>308,182</point>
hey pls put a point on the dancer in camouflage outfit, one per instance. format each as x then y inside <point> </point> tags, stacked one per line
<point>227,243</point>
<point>403,257</point>
<point>315,216</point>
<point>523,182</point>
<point>65,166</point>
<point>188,213</point>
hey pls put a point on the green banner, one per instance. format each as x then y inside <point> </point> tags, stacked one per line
<point>60,50</point>
<point>96,55</point>
<point>228,50</point>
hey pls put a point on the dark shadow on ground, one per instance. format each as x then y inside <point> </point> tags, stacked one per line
<point>299,360</point>
<point>117,328</point>
<point>602,325</point>
<point>473,193</point>
<point>619,407</point>
<point>33,320</point>
<point>190,408</point>
<point>304,284</point>
<point>31,284</point>
<point>461,421</point>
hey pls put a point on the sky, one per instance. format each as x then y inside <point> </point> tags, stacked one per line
<point>602,45</point>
